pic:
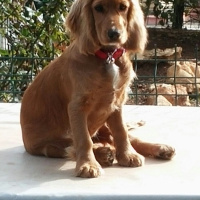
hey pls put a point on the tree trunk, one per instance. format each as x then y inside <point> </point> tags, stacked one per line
<point>178,14</point>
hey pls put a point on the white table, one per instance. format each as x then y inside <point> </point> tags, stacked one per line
<point>23,176</point>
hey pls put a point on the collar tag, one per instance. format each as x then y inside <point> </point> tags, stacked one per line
<point>110,58</point>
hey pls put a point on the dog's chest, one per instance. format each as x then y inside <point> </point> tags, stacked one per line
<point>113,74</point>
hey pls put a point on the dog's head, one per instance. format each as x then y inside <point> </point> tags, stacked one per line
<point>107,23</point>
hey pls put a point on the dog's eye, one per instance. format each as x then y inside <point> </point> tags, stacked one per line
<point>122,7</point>
<point>99,8</point>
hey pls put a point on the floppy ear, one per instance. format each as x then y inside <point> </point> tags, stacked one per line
<point>80,23</point>
<point>137,37</point>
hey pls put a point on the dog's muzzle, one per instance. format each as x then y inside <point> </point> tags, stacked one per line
<point>114,34</point>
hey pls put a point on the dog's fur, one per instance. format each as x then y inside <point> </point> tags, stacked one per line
<point>77,94</point>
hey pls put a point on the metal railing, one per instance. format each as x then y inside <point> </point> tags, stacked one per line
<point>154,85</point>
<point>174,81</point>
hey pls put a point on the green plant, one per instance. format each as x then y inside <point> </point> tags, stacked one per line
<point>34,34</point>
<point>170,11</point>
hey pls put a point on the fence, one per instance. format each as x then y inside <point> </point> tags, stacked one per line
<point>166,79</point>
<point>16,73</point>
<point>163,78</point>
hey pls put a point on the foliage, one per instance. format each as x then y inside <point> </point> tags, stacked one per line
<point>33,31</point>
<point>168,10</point>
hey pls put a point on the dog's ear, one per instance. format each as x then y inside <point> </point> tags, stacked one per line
<point>137,34</point>
<point>73,19</point>
<point>80,23</point>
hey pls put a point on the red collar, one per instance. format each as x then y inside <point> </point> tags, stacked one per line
<point>110,56</point>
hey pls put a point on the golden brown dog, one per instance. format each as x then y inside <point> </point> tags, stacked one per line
<point>84,89</point>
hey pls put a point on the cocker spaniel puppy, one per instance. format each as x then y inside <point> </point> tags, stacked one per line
<point>80,94</point>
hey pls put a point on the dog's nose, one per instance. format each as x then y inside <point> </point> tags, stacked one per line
<point>113,34</point>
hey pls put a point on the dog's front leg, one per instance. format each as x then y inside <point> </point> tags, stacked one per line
<point>125,153</point>
<point>86,164</point>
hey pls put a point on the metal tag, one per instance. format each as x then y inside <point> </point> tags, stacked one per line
<point>110,59</point>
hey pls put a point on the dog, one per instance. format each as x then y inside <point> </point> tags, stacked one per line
<point>77,99</point>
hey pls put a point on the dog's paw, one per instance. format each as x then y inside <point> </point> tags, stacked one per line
<point>163,151</point>
<point>89,170</point>
<point>130,160</point>
<point>104,155</point>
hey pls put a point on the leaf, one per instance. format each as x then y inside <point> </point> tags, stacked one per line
<point>4,52</point>
<point>164,15</point>
<point>161,22</point>
<point>33,26</point>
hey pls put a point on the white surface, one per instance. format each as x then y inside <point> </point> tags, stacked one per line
<point>23,176</point>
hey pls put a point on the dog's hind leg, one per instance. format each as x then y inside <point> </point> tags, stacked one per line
<point>146,149</point>
<point>154,150</point>
<point>55,149</point>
